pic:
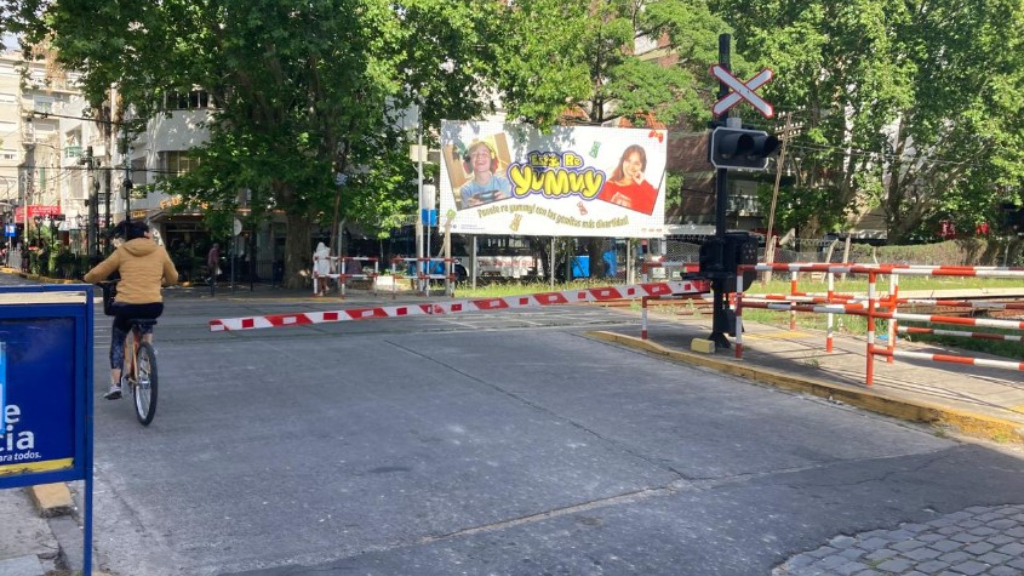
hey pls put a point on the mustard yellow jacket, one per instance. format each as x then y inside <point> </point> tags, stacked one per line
<point>144,266</point>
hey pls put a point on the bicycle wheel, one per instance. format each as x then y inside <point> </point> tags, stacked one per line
<point>146,383</point>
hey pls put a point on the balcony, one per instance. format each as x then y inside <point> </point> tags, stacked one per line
<point>744,206</point>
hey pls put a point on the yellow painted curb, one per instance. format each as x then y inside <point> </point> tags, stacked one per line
<point>977,425</point>
<point>52,499</point>
<point>702,345</point>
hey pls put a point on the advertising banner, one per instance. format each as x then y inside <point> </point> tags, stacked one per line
<point>46,347</point>
<point>45,383</point>
<point>576,181</point>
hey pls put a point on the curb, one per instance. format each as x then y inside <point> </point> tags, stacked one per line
<point>964,422</point>
<point>52,499</point>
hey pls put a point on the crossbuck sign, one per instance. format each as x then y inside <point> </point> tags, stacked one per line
<point>742,91</point>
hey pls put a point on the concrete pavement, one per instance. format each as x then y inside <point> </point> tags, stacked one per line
<point>983,402</point>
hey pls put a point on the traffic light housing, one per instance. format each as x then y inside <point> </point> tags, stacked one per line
<point>741,149</point>
<point>720,256</point>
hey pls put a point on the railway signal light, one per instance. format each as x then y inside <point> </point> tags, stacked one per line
<point>741,149</point>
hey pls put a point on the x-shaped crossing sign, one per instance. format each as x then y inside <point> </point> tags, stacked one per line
<point>742,91</point>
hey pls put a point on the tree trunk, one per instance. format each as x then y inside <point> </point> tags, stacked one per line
<point>298,253</point>
<point>539,248</point>
<point>596,255</point>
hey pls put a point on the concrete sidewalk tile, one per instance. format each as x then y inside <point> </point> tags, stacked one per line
<point>21,566</point>
<point>22,531</point>
<point>52,499</point>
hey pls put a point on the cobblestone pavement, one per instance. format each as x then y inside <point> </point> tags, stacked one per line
<point>978,541</point>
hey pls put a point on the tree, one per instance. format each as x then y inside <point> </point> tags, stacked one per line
<point>906,106</point>
<point>576,62</point>
<point>304,89</point>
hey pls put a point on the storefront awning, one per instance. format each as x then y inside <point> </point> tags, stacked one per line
<point>35,210</point>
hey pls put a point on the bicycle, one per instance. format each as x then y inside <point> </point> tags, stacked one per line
<point>139,371</point>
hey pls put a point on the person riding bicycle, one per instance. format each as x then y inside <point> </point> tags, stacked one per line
<point>144,267</point>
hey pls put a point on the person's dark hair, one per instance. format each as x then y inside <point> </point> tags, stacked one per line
<point>131,229</point>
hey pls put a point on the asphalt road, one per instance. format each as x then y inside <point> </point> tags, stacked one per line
<point>504,443</point>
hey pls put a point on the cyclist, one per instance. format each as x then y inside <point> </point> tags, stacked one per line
<point>144,267</point>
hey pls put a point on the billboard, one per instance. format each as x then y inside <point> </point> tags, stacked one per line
<point>575,181</point>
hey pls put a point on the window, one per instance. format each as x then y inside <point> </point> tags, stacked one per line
<point>178,162</point>
<point>8,154</point>
<point>76,189</point>
<point>43,104</point>
<point>198,99</point>
<point>139,172</point>
<point>194,100</point>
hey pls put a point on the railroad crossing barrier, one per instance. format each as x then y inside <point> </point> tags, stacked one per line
<point>456,306</point>
<point>339,270</point>
<point>884,307</point>
<point>647,269</point>
<point>424,271</point>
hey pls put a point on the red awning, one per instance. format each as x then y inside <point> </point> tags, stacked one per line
<point>35,210</point>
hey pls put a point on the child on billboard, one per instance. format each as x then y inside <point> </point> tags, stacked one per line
<point>485,186</point>
<point>627,186</point>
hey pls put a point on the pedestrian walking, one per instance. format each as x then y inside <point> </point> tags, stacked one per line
<point>213,264</point>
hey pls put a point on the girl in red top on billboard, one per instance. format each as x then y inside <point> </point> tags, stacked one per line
<point>627,187</point>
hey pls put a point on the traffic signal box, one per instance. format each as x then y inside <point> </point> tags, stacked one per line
<point>720,256</point>
<point>741,149</point>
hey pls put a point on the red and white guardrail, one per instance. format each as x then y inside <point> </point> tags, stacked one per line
<point>885,308</point>
<point>653,290</point>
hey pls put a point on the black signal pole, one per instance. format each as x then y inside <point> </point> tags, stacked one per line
<point>720,306</point>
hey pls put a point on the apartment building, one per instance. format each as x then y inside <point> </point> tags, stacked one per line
<point>42,181</point>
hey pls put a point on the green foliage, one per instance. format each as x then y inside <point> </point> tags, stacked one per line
<point>304,90</point>
<point>915,109</point>
<point>967,252</point>
<point>578,55</point>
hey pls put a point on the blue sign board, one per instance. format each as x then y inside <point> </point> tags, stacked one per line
<point>46,392</point>
<point>428,216</point>
<point>10,230</point>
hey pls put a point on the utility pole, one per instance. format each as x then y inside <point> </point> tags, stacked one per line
<point>108,141</point>
<point>92,227</point>
<point>769,251</point>
<point>106,188</point>
<point>127,183</point>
